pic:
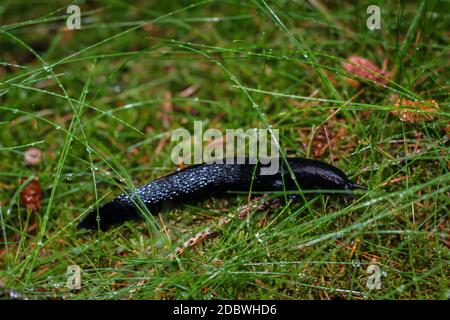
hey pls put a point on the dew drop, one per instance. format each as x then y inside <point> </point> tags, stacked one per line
<point>47,68</point>
<point>356,263</point>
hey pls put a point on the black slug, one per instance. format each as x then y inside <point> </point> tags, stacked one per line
<point>200,181</point>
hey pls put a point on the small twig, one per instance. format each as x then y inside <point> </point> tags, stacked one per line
<point>329,143</point>
<point>258,204</point>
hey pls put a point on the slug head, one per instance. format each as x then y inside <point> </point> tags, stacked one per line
<point>313,174</point>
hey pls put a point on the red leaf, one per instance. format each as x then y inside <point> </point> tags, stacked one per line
<point>31,195</point>
<point>366,69</point>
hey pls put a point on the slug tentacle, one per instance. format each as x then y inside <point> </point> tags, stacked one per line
<point>201,181</point>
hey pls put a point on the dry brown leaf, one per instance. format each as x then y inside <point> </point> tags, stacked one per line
<point>409,111</point>
<point>326,137</point>
<point>260,283</point>
<point>320,143</point>
<point>152,29</point>
<point>165,115</point>
<point>67,35</point>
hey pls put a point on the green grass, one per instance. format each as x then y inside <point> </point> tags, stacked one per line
<point>91,100</point>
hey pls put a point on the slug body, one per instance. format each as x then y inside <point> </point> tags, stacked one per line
<point>201,181</point>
